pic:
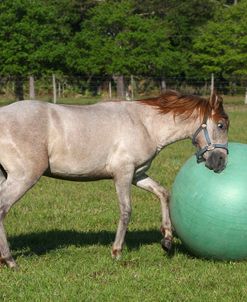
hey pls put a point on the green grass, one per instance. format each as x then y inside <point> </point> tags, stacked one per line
<point>233,100</point>
<point>61,235</point>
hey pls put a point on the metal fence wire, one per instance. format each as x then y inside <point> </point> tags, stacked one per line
<point>55,87</point>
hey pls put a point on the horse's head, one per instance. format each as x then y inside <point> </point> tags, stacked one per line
<point>211,137</point>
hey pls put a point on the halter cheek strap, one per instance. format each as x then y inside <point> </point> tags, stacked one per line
<point>209,146</point>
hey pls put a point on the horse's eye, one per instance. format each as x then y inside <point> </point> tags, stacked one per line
<point>220,125</point>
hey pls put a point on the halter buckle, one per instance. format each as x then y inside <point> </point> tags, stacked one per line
<point>210,147</point>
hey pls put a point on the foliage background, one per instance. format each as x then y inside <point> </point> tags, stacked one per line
<point>98,41</point>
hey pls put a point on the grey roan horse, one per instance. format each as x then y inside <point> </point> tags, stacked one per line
<point>116,140</point>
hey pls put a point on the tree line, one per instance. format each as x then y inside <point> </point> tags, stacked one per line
<point>111,39</point>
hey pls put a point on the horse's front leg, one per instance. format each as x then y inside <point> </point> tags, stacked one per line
<point>123,180</point>
<point>148,184</point>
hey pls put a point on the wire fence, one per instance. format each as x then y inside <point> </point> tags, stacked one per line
<point>54,88</point>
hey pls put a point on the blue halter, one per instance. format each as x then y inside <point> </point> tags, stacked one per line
<point>209,146</point>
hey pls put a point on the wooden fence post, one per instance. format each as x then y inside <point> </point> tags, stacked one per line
<point>132,87</point>
<point>54,88</point>
<point>212,84</point>
<point>110,90</point>
<point>163,85</point>
<point>31,88</point>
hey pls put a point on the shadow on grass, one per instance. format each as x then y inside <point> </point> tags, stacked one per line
<point>42,242</point>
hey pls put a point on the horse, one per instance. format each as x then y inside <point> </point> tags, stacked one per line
<point>109,140</point>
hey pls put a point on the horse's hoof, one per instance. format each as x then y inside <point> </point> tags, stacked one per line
<point>116,254</point>
<point>9,263</point>
<point>166,244</point>
<point>12,265</point>
<point>2,262</point>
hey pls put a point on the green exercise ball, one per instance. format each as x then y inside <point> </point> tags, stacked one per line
<point>209,210</point>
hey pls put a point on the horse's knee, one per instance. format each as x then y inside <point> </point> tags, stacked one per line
<point>125,215</point>
<point>166,194</point>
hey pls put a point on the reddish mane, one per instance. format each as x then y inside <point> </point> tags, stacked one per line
<point>185,105</point>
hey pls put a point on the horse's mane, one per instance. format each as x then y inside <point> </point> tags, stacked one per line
<point>179,104</point>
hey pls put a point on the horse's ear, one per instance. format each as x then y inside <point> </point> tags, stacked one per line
<point>215,100</point>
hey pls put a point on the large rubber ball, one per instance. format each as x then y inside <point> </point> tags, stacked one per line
<point>209,210</point>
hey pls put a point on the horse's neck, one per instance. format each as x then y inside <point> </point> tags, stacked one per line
<point>167,130</point>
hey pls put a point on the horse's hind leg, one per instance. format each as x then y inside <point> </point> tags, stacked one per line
<point>152,186</point>
<point>11,190</point>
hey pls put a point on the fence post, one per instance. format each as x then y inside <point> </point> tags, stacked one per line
<point>212,84</point>
<point>59,89</point>
<point>110,90</point>
<point>163,85</point>
<point>54,88</point>
<point>119,79</point>
<point>31,88</point>
<point>132,87</point>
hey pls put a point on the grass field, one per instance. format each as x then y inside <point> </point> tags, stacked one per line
<point>61,235</point>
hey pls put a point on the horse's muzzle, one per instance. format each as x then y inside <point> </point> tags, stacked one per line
<point>216,161</point>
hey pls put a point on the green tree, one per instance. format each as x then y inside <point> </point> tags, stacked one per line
<point>33,35</point>
<point>114,39</point>
<point>221,46</point>
<point>183,18</point>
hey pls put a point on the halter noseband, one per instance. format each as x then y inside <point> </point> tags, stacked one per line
<point>209,146</point>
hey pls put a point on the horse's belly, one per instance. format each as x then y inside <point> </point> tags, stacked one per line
<point>77,177</point>
<point>68,167</point>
